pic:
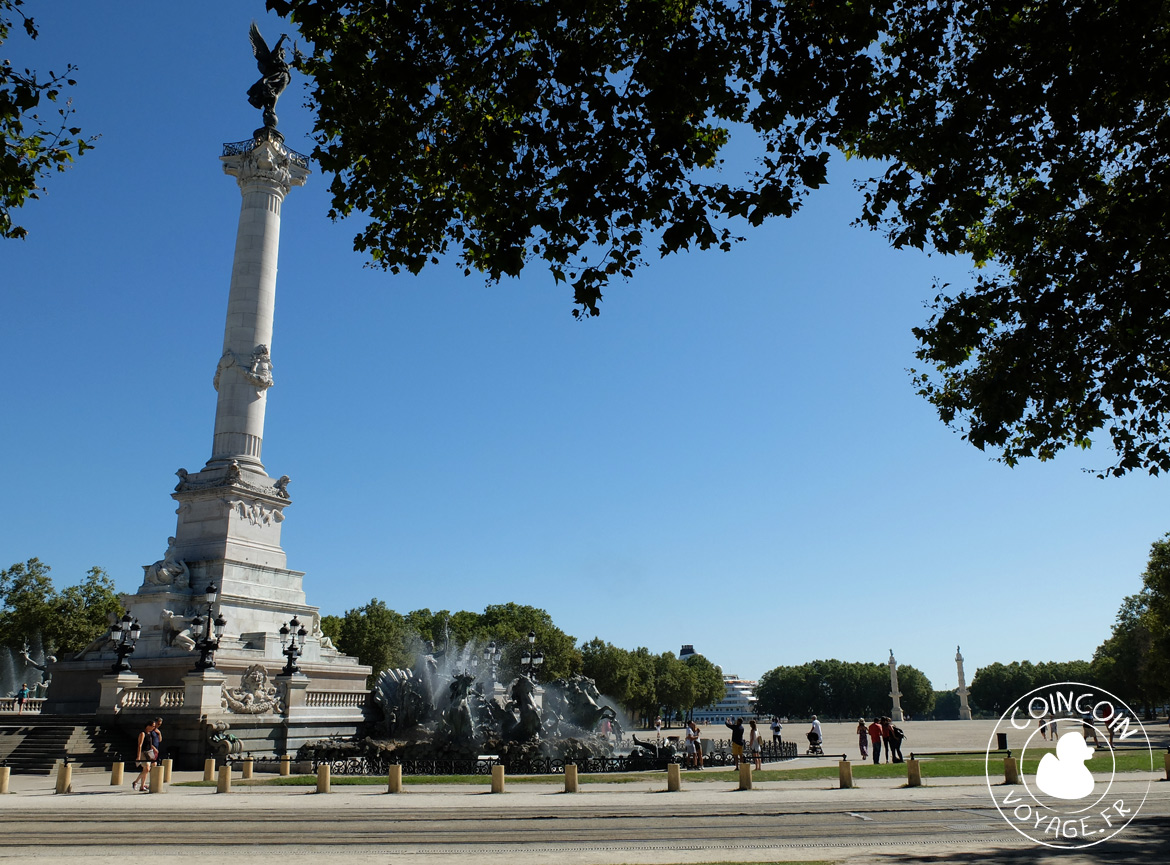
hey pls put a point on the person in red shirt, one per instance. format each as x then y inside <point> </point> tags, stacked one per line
<point>875,739</point>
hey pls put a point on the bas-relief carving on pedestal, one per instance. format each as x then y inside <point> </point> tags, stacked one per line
<point>254,696</point>
<point>257,370</point>
<point>255,512</point>
<point>170,570</point>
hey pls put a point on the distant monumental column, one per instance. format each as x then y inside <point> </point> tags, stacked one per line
<point>895,694</point>
<point>964,709</point>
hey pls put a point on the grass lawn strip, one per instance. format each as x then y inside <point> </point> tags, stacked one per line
<point>939,767</point>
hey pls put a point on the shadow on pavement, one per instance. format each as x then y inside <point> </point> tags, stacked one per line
<point>1142,842</point>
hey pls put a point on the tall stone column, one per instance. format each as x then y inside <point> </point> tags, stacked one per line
<point>265,173</point>
<point>230,513</point>
<point>895,694</point>
<point>964,708</point>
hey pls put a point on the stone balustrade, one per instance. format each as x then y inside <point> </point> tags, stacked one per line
<point>32,705</point>
<point>149,699</point>
<point>336,699</point>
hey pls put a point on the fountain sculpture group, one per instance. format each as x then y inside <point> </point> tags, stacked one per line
<point>444,708</point>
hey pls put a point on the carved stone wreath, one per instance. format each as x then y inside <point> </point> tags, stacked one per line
<point>256,370</point>
<point>254,696</point>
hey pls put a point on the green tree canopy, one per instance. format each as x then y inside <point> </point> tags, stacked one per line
<point>580,133</point>
<point>375,635</point>
<point>946,706</point>
<point>383,638</point>
<point>1034,137</point>
<point>67,620</point>
<point>575,132</point>
<point>841,689</point>
<point>917,692</point>
<point>1134,662</point>
<point>31,145</point>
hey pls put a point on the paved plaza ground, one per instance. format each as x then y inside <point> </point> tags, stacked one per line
<point>881,821</point>
<point>922,736</point>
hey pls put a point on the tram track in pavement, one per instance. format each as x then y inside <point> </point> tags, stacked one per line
<point>422,827</point>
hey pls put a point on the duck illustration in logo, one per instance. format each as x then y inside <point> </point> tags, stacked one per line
<point>1064,775</point>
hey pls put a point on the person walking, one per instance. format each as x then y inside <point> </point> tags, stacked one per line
<point>146,757</point>
<point>777,727</point>
<point>754,745</point>
<point>694,745</point>
<point>887,736</point>
<point>896,737</point>
<point>156,741</point>
<point>863,738</point>
<point>875,740</point>
<point>658,729</point>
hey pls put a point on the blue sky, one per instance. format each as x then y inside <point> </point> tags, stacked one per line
<point>732,455</point>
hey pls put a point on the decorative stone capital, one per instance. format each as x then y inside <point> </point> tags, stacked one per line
<point>268,163</point>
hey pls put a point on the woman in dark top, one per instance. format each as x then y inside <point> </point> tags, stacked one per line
<point>147,754</point>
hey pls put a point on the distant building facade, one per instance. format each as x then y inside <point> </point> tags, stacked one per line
<point>739,697</point>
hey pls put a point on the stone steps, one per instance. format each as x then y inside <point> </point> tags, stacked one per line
<point>33,745</point>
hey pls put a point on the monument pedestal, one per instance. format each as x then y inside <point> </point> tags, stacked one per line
<point>228,534</point>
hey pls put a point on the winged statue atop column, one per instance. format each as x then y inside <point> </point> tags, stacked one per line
<point>275,74</point>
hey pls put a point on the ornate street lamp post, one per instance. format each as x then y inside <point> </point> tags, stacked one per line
<point>124,635</point>
<point>491,658</point>
<point>292,645</point>
<point>207,645</point>
<point>531,659</point>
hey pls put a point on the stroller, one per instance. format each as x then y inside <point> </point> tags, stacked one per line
<point>814,744</point>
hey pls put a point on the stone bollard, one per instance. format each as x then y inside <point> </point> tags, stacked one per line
<point>1011,775</point>
<point>570,777</point>
<point>246,774</point>
<point>497,779</point>
<point>673,778</point>
<point>5,771</point>
<point>394,779</point>
<point>745,775</point>
<point>64,777</point>
<point>209,769</point>
<point>323,778</point>
<point>224,782</point>
<point>845,774</point>
<point>285,760</point>
<point>913,773</point>
<point>157,784</point>
<point>167,764</point>
<point>116,772</point>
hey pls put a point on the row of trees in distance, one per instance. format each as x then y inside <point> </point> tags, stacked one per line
<point>842,689</point>
<point>644,683</point>
<point>1133,662</point>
